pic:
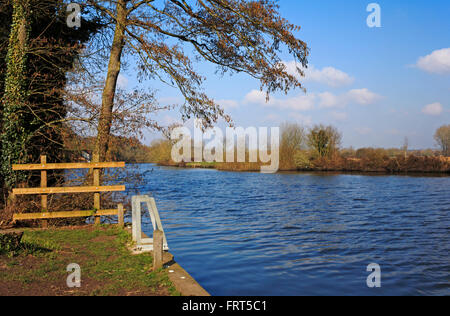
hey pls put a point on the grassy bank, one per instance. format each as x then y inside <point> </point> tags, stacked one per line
<point>38,266</point>
<point>381,164</point>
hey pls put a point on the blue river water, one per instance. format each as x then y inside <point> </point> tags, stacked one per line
<point>304,234</point>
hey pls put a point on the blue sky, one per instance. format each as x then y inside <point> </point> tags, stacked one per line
<point>377,85</point>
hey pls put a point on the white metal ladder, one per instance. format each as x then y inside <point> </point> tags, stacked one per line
<point>145,244</point>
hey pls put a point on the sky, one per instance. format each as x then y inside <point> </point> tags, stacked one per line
<point>376,85</point>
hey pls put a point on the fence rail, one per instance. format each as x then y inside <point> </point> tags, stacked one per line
<point>44,191</point>
<point>62,166</point>
<point>64,190</point>
<point>69,214</point>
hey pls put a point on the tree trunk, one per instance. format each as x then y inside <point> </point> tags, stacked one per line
<point>105,120</point>
<point>14,132</point>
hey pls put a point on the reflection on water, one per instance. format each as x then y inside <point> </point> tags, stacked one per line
<point>305,234</point>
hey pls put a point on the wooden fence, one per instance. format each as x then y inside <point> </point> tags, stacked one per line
<point>44,191</point>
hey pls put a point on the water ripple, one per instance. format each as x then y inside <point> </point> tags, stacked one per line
<point>305,234</point>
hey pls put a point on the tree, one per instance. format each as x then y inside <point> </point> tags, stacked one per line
<point>442,137</point>
<point>41,50</point>
<point>292,141</point>
<point>54,51</point>
<point>324,140</point>
<point>132,112</point>
<point>405,146</point>
<point>160,151</point>
<point>235,35</point>
<point>5,30</point>
<point>14,134</point>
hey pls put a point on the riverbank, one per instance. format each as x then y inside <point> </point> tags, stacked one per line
<point>398,165</point>
<point>39,265</point>
<point>183,282</point>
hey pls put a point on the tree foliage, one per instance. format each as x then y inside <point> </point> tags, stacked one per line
<point>442,137</point>
<point>237,36</point>
<point>324,140</point>
<point>14,136</point>
<point>41,50</point>
<point>5,30</point>
<point>293,138</point>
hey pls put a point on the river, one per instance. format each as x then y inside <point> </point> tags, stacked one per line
<point>304,234</point>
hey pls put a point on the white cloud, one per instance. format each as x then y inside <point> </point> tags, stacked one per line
<point>256,97</point>
<point>362,96</point>
<point>433,109</point>
<point>437,62</point>
<point>355,96</point>
<point>307,102</point>
<point>330,100</point>
<point>328,75</point>
<point>228,104</point>
<point>298,103</point>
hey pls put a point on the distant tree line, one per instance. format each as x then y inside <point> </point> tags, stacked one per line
<point>127,149</point>
<point>319,148</point>
<point>442,138</point>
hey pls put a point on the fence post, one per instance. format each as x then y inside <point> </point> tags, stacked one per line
<point>120,219</point>
<point>44,199</point>
<point>96,158</point>
<point>158,240</point>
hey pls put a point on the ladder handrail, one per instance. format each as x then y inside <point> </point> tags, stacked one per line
<point>137,220</point>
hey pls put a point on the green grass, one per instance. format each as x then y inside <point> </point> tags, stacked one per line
<point>107,265</point>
